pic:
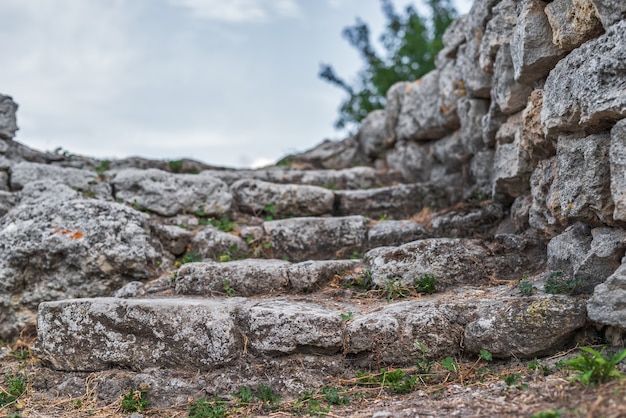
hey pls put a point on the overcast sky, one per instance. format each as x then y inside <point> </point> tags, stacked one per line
<point>227,82</point>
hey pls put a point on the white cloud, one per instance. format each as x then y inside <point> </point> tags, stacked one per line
<point>240,11</point>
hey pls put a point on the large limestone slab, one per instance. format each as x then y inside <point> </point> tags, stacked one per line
<point>25,172</point>
<point>285,200</point>
<point>301,239</point>
<point>282,327</point>
<point>525,328</point>
<point>392,334</point>
<point>170,194</point>
<point>97,334</point>
<point>57,249</point>
<point>587,89</point>
<point>454,262</point>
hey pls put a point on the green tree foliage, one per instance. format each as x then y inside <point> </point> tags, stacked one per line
<point>411,43</point>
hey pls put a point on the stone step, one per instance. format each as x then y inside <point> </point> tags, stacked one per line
<point>205,334</point>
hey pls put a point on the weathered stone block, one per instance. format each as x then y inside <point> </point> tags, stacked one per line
<point>532,51</point>
<point>97,334</point>
<point>573,22</point>
<point>617,157</point>
<point>592,97</point>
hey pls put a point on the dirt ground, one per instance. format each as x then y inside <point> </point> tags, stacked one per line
<point>541,388</point>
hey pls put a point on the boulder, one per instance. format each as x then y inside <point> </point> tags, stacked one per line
<point>525,328</point>
<point>173,238</point>
<point>471,112</point>
<point>469,221</point>
<point>387,232</point>
<point>301,239</point>
<point>573,22</point>
<point>413,160</point>
<point>331,155</point>
<point>545,215</point>
<point>593,97</point>
<point>281,200</point>
<point>498,31</point>
<point>509,94</point>
<point>59,249</point>
<point>532,51</point>
<point>211,243</point>
<point>532,138</point>
<point>8,120</point>
<point>97,334</point>
<point>511,171</point>
<point>170,194</point>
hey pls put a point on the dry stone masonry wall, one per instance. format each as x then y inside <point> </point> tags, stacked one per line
<point>506,162</point>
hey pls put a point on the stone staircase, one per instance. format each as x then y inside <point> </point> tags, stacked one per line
<point>331,291</point>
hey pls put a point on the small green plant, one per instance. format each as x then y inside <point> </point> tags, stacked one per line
<point>223,258</point>
<point>595,366</point>
<point>270,212</point>
<point>15,387</point>
<point>395,380</point>
<point>423,364</point>
<point>526,288</point>
<point>224,224</point>
<point>134,401</point>
<point>450,364</point>
<point>425,284</point>
<point>556,283</point>
<point>176,166</point>
<point>536,365</point>
<point>333,395</point>
<point>21,354</point>
<point>513,380</point>
<point>188,257</point>
<point>204,408</point>
<point>244,397</point>
<point>394,289</point>
<point>173,276</point>
<point>266,395</point>
<point>355,255</point>
<point>104,166</point>
<point>229,291</point>
<point>485,355</point>
<point>345,317</point>
<point>550,413</point>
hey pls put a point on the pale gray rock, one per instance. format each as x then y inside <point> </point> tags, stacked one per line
<point>511,172</point>
<point>491,124</point>
<point>174,238</point>
<point>617,157</point>
<point>245,277</point>
<point>545,215</point>
<point>593,97</point>
<point>509,131</point>
<point>583,183</point>
<point>532,50</point>
<point>281,200</point>
<point>311,275</point>
<point>471,113</point>
<point>472,80</point>
<point>589,256</point>
<point>610,11</point>
<point>481,169</point>
<point>282,327</point>
<point>97,334</point>
<point>426,111</point>
<point>399,201</point>
<point>25,172</point>
<point>45,191</point>
<point>452,153</point>
<point>130,290</point>
<point>413,160</point>
<point>387,232</point>
<point>70,248</point>
<point>301,239</point>
<point>606,306</point>
<point>170,194</point>
<point>372,134</point>
<point>510,95</point>
<point>8,119</point>
<point>520,210</point>
<point>470,222</point>
<point>211,243</point>
<point>524,328</point>
<point>393,332</point>
<point>7,201</point>
<point>498,31</point>
<point>450,261</point>
<point>332,155</point>
<point>454,35</point>
<point>573,22</point>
